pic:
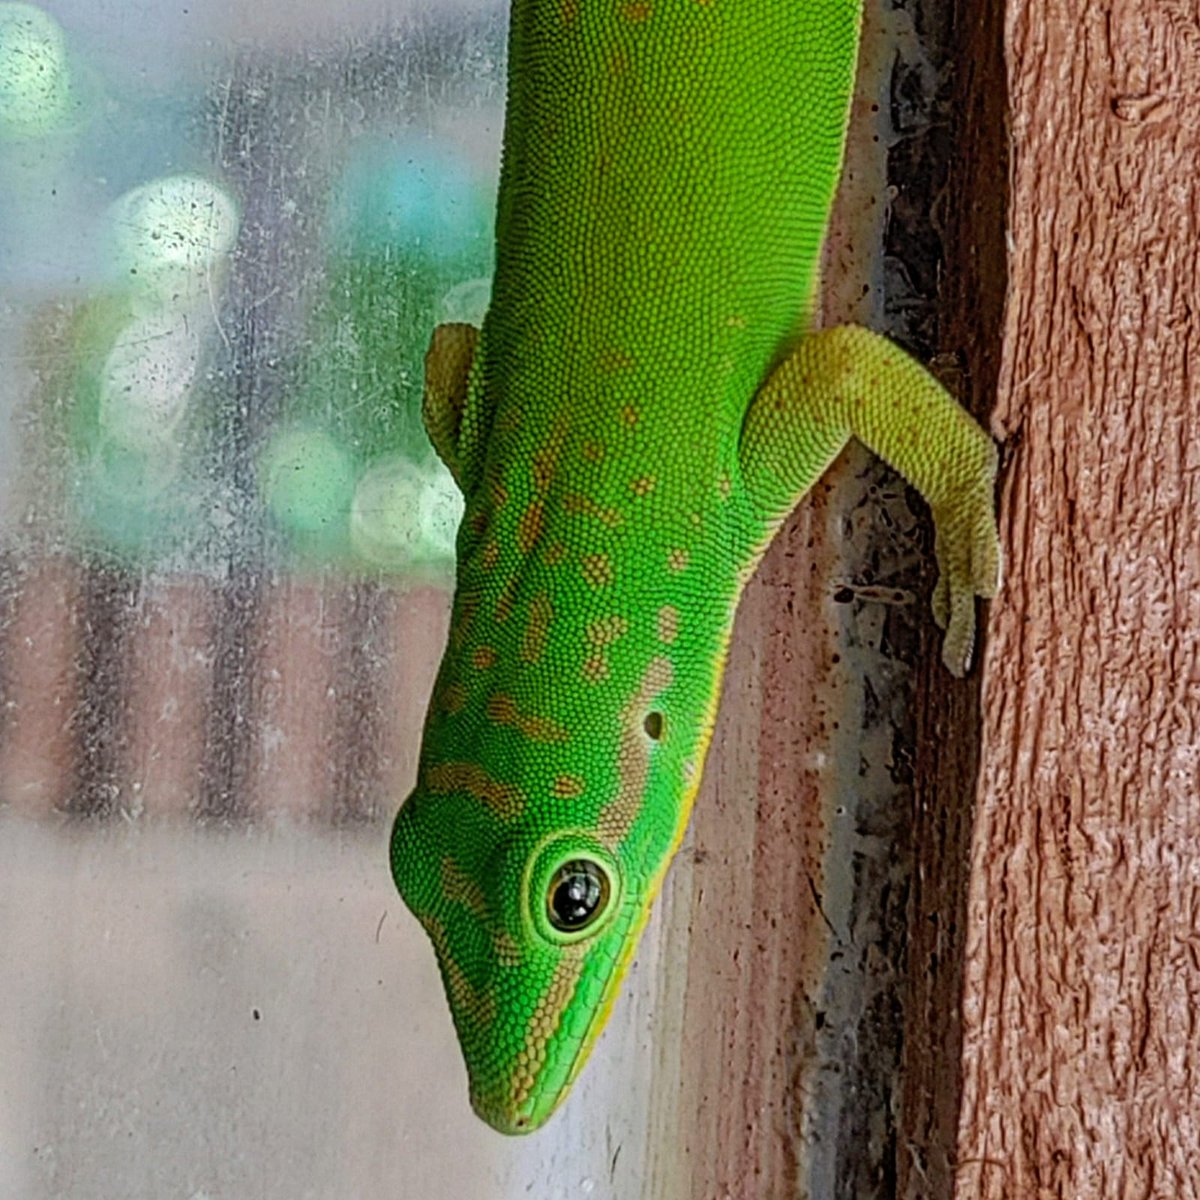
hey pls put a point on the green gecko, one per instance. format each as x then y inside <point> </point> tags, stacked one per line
<point>643,407</point>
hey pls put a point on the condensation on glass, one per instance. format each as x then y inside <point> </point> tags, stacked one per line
<point>225,547</point>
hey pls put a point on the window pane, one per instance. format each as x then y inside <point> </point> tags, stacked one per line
<point>226,230</point>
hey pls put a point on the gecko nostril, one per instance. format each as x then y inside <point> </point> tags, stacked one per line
<point>653,725</point>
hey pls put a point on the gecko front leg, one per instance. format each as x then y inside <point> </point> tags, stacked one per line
<point>849,382</point>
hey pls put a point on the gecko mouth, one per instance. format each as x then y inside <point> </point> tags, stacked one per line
<point>498,1109</point>
<point>521,1106</point>
<point>504,1119</point>
<point>539,1078</point>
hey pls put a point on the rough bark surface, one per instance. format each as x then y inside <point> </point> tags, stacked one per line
<point>1081,1057</point>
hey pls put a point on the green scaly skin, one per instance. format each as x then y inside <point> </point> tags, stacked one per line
<point>640,412</point>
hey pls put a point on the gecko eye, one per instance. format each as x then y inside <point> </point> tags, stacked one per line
<point>653,725</point>
<point>579,893</point>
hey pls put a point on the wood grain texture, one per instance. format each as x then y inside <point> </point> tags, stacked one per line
<point>1081,1056</point>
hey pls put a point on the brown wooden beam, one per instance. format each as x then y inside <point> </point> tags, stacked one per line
<point>1080,1044</point>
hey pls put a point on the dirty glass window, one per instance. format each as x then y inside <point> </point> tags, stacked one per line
<point>226,230</point>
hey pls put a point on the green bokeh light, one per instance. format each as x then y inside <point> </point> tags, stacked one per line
<point>167,235</point>
<point>409,194</point>
<point>147,379</point>
<point>35,77</point>
<point>404,514</point>
<point>308,482</point>
<point>133,499</point>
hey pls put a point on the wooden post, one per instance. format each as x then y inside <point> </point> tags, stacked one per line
<point>1081,1048</point>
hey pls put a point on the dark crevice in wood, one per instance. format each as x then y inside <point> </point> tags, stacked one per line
<point>968,176</point>
<point>357,743</point>
<point>99,722</point>
<point>270,247</point>
<point>226,769</point>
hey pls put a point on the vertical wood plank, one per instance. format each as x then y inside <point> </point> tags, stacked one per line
<point>41,637</point>
<point>1081,1057</point>
<point>169,682</point>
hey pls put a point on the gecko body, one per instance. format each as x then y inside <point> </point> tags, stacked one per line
<point>644,405</point>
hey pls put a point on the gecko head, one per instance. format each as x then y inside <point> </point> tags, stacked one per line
<point>531,851</point>
<point>533,933</point>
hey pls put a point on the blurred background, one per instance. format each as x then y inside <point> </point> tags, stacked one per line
<point>226,231</point>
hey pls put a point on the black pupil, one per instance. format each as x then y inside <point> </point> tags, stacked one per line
<point>576,895</point>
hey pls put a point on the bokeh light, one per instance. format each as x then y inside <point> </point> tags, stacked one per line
<point>405,515</point>
<point>412,195</point>
<point>147,378</point>
<point>307,480</point>
<point>170,233</point>
<point>35,77</point>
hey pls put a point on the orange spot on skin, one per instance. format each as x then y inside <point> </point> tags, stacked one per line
<point>541,612</point>
<point>477,1007</point>
<point>459,888</point>
<point>529,528</point>
<point>569,11</point>
<point>643,485</point>
<point>478,522</point>
<point>578,505</point>
<point>668,623</point>
<point>483,658</point>
<point>555,554</point>
<point>595,668</point>
<point>593,451</point>
<point>636,11</point>
<point>464,618</point>
<point>545,458</point>
<point>453,698</point>
<point>607,630</point>
<point>543,468</point>
<point>504,605</point>
<point>499,494</point>
<point>490,556</point>
<point>629,415</point>
<point>725,487</point>
<point>567,787</point>
<point>597,569</point>
<point>503,710</point>
<point>677,559</point>
<point>505,800</point>
<point>508,952</point>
